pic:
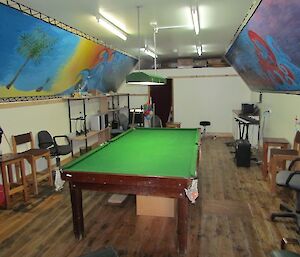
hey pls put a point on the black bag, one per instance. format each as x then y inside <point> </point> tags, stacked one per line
<point>242,153</point>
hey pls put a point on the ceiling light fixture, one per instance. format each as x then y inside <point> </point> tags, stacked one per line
<point>141,77</point>
<point>195,18</point>
<point>144,78</point>
<point>110,26</point>
<point>199,50</point>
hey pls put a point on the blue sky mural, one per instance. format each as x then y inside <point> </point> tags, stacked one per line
<point>37,58</point>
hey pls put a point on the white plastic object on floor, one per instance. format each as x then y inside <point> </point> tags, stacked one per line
<point>59,183</point>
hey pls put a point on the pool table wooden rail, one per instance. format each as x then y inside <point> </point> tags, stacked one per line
<point>129,184</point>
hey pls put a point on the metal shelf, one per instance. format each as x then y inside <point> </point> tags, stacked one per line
<point>88,135</point>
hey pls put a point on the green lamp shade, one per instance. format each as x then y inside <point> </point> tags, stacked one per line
<point>143,78</point>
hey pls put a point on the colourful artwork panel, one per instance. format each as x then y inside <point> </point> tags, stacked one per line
<point>37,58</point>
<point>266,52</point>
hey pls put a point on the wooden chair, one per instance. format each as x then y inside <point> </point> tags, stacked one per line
<point>278,158</point>
<point>32,155</point>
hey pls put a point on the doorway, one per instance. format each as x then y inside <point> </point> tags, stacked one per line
<point>162,97</point>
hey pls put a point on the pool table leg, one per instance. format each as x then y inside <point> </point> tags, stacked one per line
<point>76,200</point>
<point>182,224</point>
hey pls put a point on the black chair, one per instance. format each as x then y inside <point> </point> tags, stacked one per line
<point>289,179</point>
<point>46,141</point>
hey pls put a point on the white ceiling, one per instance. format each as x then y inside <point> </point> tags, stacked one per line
<point>219,20</point>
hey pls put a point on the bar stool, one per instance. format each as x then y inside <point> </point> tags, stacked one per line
<point>10,187</point>
<point>32,155</point>
<point>204,124</point>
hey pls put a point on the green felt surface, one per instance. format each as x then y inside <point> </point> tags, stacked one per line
<point>146,152</point>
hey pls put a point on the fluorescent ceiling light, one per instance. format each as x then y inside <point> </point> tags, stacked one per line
<point>199,50</point>
<point>148,52</point>
<point>113,20</point>
<point>195,18</point>
<point>112,28</point>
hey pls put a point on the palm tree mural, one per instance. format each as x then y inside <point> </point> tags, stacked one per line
<point>32,47</point>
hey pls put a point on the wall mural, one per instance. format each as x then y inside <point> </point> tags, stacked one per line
<point>266,52</point>
<point>37,58</point>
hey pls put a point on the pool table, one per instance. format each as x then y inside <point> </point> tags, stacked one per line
<point>141,161</point>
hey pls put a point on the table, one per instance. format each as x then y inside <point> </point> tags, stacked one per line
<point>141,161</point>
<point>10,188</point>
<point>271,142</point>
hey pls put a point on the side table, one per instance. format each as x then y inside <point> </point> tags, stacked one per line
<point>271,142</point>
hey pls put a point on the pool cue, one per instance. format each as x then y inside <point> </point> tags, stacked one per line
<point>153,115</point>
<point>133,118</point>
<point>7,142</point>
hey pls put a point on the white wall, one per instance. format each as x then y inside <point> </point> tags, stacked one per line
<point>204,94</point>
<point>284,109</point>
<point>209,98</point>
<point>18,120</point>
<point>139,94</point>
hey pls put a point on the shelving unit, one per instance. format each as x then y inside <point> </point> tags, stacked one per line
<point>103,134</point>
<point>115,106</point>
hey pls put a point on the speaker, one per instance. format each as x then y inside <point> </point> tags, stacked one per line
<point>243,153</point>
<point>248,108</point>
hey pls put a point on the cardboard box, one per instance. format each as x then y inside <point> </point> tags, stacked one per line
<point>155,206</point>
<point>103,108</point>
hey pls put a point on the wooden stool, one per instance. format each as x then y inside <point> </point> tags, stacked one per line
<point>271,142</point>
<point>32,155</point>
<point>10,188</point>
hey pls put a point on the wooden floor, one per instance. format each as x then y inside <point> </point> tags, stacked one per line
<point>231,218</point>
